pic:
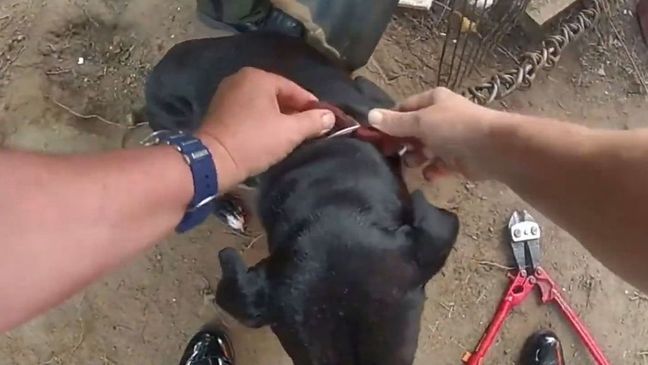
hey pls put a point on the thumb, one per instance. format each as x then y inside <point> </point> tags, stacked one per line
<point>396,124</point>
<point>313,123</point>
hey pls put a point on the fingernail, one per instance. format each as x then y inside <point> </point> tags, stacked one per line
<point>375,117</point>
<point>329,120</point>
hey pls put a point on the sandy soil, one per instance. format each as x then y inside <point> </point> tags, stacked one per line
<point>91,57</point>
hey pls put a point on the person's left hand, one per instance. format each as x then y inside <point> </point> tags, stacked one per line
<point>255,120</point>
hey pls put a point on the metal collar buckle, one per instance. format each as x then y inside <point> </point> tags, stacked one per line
<point>155,139</point>
<point>343,132</point>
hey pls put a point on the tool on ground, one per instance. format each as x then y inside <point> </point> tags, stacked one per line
<point>525,234</point>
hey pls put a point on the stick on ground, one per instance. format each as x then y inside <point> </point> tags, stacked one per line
<point>495,264</point>
<point>88,116</point>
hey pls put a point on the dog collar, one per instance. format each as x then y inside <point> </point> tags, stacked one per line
<point>347,126</point>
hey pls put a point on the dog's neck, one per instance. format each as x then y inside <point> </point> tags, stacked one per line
<point>347,126</point>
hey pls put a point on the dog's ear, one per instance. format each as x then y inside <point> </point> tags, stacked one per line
<point>241,292</point>
<point>432,234</point>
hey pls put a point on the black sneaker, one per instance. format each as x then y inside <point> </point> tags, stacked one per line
<point>542,348</point>
<point>241,15</point>
<point>230,210</point>
<point>208,347</point>
<point>247,16</point>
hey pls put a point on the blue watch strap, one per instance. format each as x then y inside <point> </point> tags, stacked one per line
<point>205,178</point>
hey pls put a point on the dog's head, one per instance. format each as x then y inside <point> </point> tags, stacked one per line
<point>345,294</point>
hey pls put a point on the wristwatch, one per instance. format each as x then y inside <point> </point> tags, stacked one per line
<point>205,177</point>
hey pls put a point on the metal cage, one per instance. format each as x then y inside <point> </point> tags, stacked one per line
<point>471,28</point>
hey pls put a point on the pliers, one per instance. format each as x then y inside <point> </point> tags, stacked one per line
<point>525,240</point>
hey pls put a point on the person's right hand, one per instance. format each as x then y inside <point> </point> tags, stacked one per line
<point>255,120</point>
<point>453,131</point>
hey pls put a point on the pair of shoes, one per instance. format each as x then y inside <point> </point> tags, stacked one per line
<point>213,347</point>
<point>542,348</point>
<point>208,347</point>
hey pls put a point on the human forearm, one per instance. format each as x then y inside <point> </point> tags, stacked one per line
<point>591,182</point>
<point>67,220</point>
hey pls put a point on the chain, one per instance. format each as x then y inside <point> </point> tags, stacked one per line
<point>521,77</point>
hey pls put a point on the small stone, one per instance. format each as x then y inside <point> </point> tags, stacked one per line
<point>80,61</point>
<point>635,88</point>
<point>209,298</point>
<point>601,71</point>
<point>130,119</point>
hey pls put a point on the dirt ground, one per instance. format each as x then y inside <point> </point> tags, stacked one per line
<point>60,57</point>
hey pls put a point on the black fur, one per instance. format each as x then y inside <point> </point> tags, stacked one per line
<point>181,86</point>
<point>349,254</point>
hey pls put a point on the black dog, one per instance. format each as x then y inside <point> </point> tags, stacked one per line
<point>181,86</point>
<point>349,253</point>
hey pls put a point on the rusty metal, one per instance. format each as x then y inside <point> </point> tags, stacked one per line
<point>471,28</point>
<point>545,58</point>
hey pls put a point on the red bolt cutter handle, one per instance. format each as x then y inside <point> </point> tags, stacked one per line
<point>551,292</point>
<point>525,233</point>
<point>521,286</point>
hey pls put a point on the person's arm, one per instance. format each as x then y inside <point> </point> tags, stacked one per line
<point>67,220</point>
<point>593,183</point>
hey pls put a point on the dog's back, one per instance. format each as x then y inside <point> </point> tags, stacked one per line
<point>349,257</point>
<point>339,180</point>
<point>183,83</point>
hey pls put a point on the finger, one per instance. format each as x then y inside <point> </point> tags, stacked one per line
<point>414,159</point>
<point>416,102</point>
<point>429,154</point>
<point>311,123</point>
<point>396,124</point>
<point>436,169</point>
